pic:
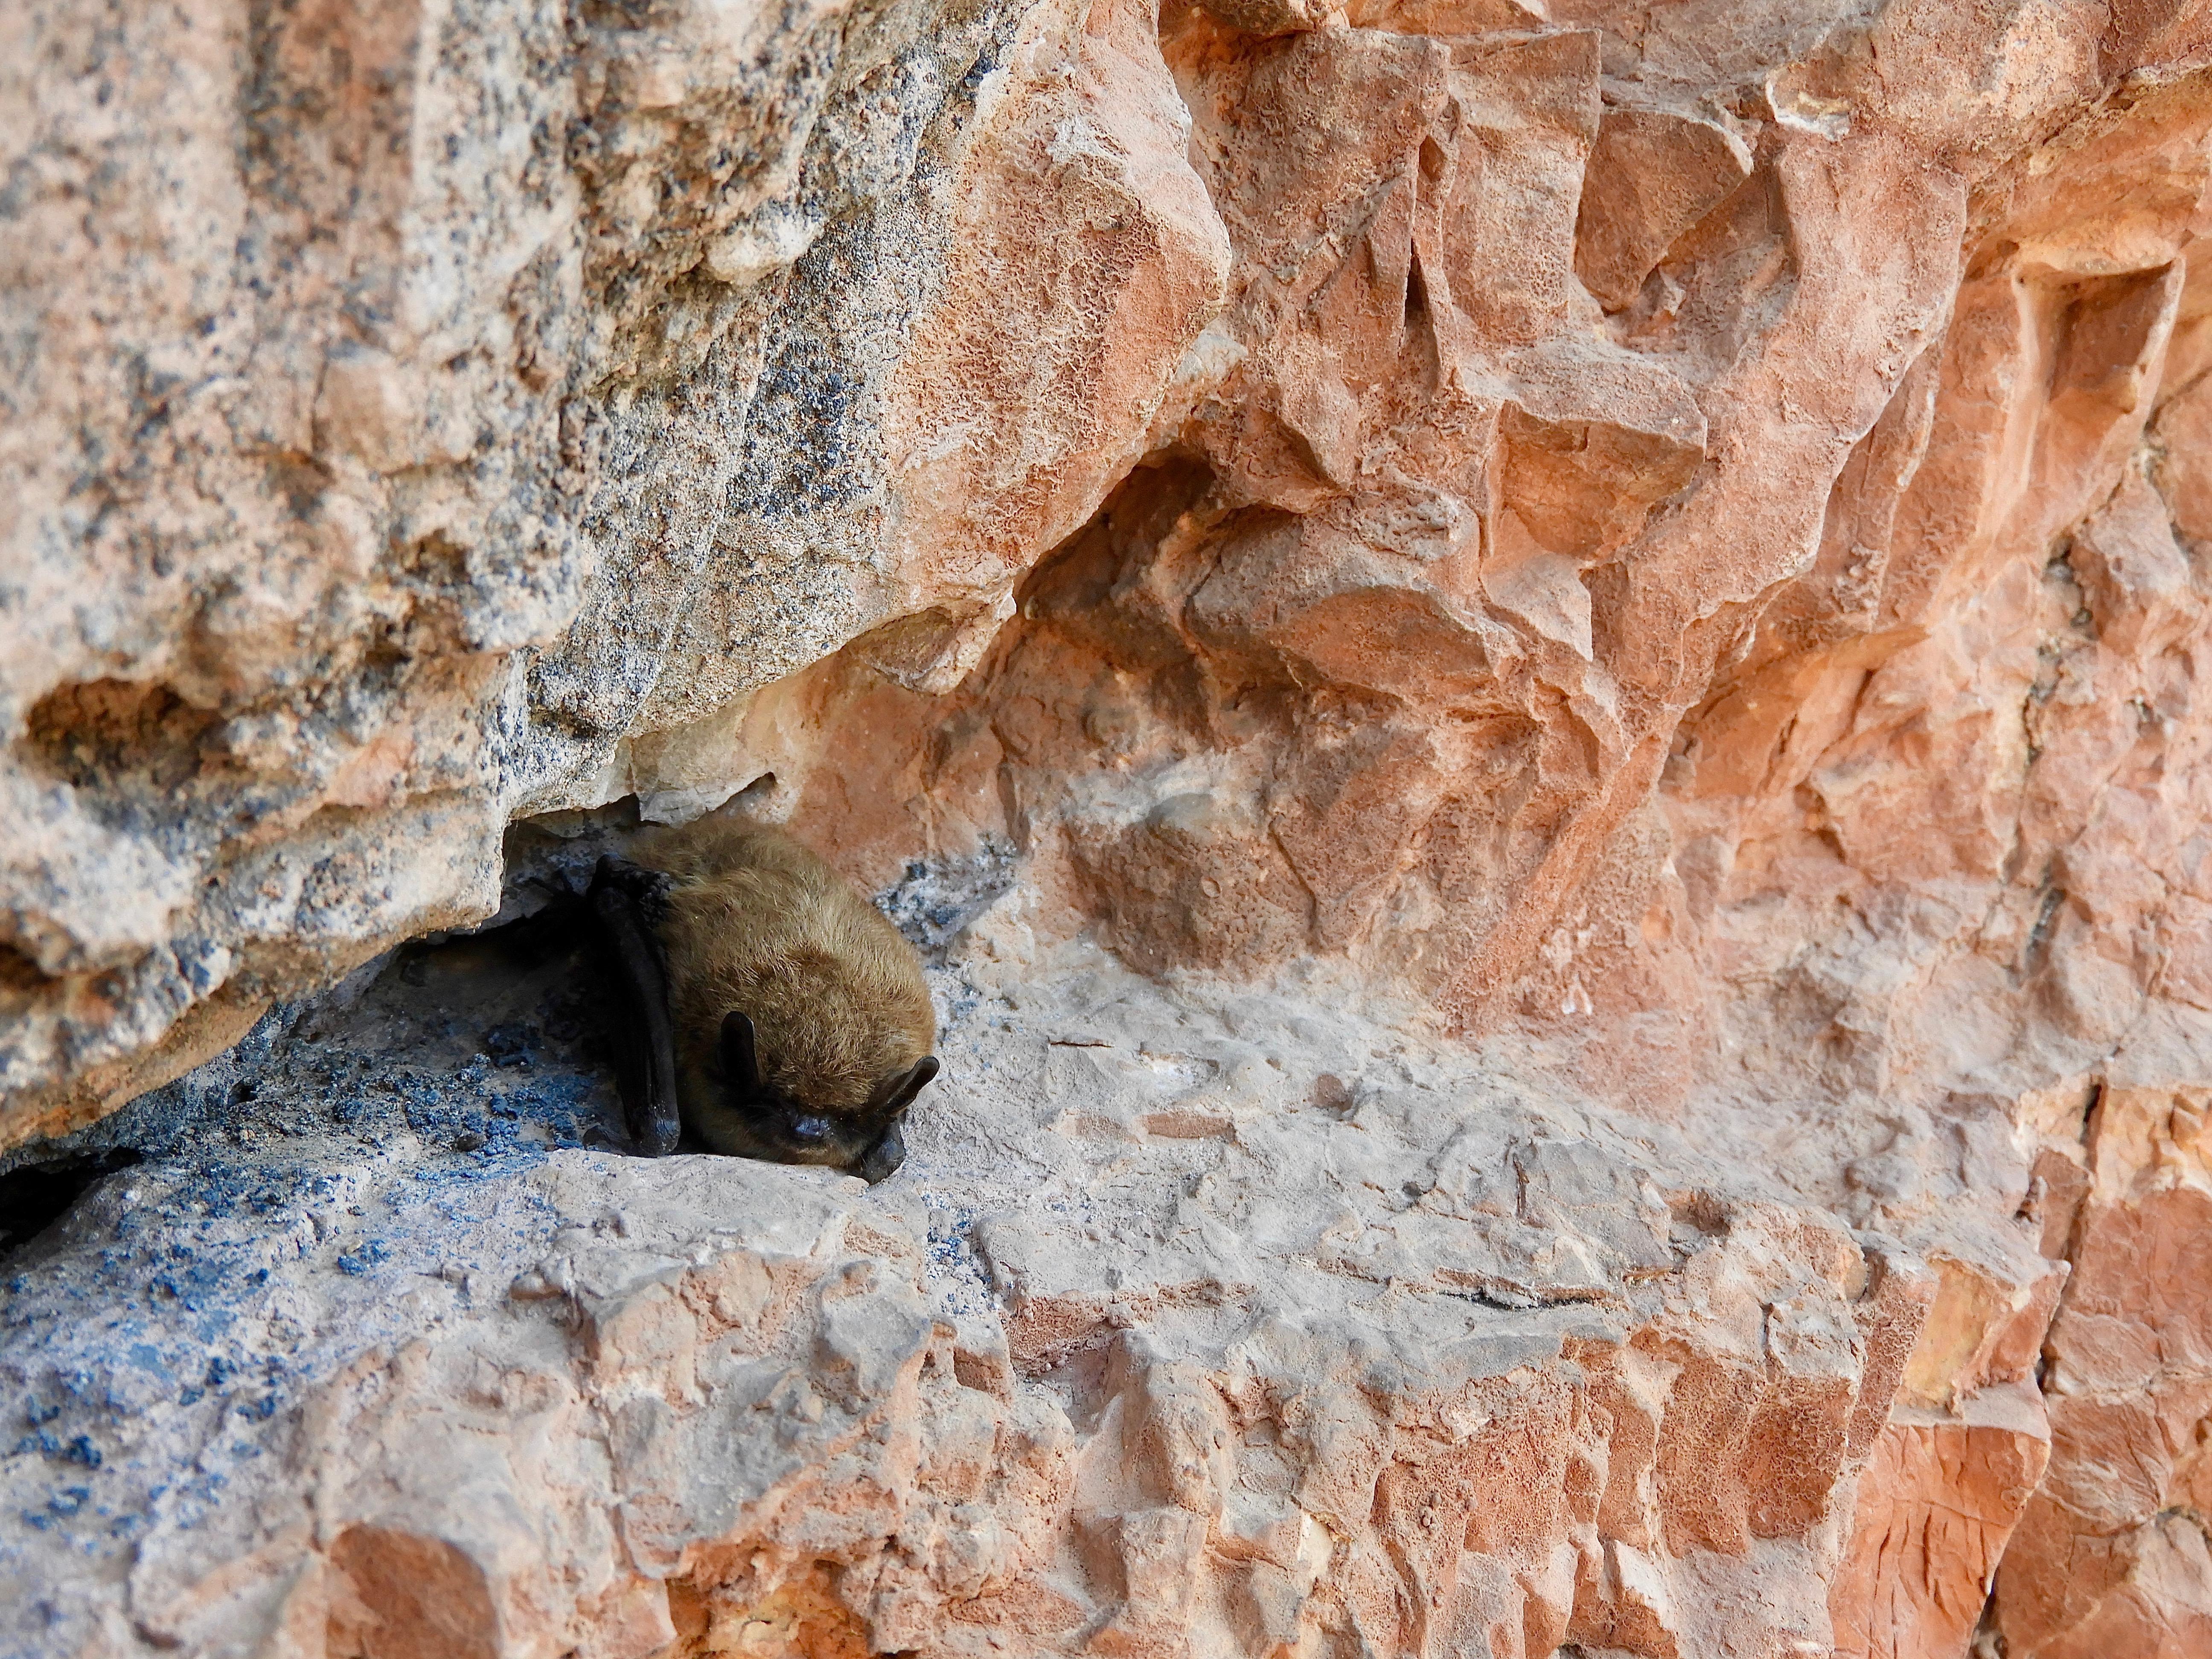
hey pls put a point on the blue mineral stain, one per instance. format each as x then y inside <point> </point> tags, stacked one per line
<point>148,1356</point>
<point>510,1044</point>
<point>360,1260</point>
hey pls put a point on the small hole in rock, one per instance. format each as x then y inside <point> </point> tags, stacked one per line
<point>33,1196</point>
<point>104,732</point>
<point>19,973</point>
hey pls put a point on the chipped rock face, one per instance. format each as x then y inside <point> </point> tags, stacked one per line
<point>1153,1347</point>
<point>426,407</point>
<point>2109,1558</point>
<point>1529,668</point>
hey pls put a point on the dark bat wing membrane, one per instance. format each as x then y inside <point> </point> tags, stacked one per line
<point>645,1034</point>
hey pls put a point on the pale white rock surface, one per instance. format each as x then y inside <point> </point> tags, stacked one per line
<point>1202,1319</point>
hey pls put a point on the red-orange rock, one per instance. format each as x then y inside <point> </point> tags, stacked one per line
<point>1671,541</point>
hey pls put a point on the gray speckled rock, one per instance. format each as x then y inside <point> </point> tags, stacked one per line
<point>409,407</point>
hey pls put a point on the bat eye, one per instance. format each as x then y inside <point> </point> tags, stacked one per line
<point>811,1130</point>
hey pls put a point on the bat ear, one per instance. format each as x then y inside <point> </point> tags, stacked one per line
<point>740,1064</point>
<point>911,1084</point>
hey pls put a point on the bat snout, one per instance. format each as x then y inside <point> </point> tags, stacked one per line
<point>883,1159</point>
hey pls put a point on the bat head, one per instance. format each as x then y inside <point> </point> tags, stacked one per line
<point>791,1130</point>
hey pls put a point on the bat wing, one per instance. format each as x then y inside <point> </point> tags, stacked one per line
<point>645,1033</point>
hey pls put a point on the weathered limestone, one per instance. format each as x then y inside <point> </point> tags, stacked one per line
<point>417,404</point>
<point>1665,547</point>
<point>1156,1346</point>
<point>2110,1557</point>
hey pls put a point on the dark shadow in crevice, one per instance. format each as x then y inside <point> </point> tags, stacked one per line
<point>34,1196</point>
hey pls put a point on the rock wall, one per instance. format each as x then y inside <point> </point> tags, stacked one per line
<point>1211,1322</point>
<point>1665,547</point>
<point>417,412</point>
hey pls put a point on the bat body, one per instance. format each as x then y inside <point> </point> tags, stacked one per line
<point>772,1008</point>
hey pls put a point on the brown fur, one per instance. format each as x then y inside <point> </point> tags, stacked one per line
<point>757,922</point>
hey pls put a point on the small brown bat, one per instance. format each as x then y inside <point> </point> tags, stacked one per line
<point>771,1007</point>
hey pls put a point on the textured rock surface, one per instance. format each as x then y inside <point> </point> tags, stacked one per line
<point>2111,1556</point>
<point>1669,543</point>
<point>1166,1340</point>
<point>412,407</point>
